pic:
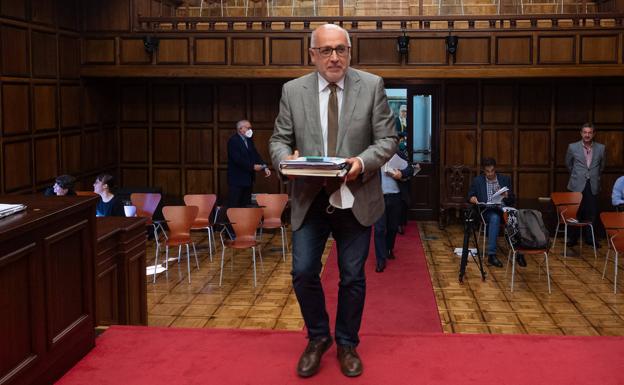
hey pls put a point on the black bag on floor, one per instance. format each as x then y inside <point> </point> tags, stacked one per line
<point>533,233</point>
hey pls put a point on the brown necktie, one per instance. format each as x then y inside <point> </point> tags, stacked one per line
<point>332,120</point>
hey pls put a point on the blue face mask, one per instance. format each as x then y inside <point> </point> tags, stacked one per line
<point>402,146</point>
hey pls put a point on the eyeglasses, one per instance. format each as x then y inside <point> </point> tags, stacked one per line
<point>341,50</point>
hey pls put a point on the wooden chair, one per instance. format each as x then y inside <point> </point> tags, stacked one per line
<point>513,251</point>
<point>244,221</point>
<point>179,220</point>
<point>567,205</point>
<point>454,192</point>
<point>613,223</point>
<point>273,206</point>
<point>205,203</point>
<point>146,204</point>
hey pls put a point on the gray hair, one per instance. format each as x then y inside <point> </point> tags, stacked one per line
<point>240,123</point>
<point>329,26</point>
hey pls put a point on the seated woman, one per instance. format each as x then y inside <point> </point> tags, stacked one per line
<point>63,185</point>
<point>108,205</point>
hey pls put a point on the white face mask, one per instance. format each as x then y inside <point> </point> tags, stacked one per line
<point>342,198</point>
<point>249,133</point>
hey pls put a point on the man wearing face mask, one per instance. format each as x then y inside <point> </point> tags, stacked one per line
<point>343,112</point>
<point>243,162</point>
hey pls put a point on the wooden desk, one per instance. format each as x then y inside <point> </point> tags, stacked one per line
<point>120,291</point>
<point>46,287</point>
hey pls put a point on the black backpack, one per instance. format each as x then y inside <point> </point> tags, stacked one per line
<point>531,230</point>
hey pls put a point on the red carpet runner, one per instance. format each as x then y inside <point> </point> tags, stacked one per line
<point>400,305</point>
<point>400,300</point>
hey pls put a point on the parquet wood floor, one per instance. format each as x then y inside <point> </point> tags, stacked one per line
<point>581,303</point>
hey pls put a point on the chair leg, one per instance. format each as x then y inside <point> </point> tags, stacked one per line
<point>167,262</point>
<point>283,245</point>
<point>604,268</point>
<point>209,244</point>
<point>565,242</point>
<point>547,271</point>
<point>513,269</point>
<point>222,258</point>
<point>156,263</point>
<point>179,253</point>
<point>254,265</point>
<point>188,263</point>
<point>196,260</point>
<point>615,268</point>
<point>552,247</point>
<point>591,227</point>
<point>508,258</point>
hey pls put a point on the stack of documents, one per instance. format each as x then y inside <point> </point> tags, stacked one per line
<point>8,209</point>
<point>315,166</point>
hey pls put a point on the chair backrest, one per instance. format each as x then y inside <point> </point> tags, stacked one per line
<point>455,184</point>
<point>612,221</point>
<point>617,241</point>
<point>272,205</point>
<point>179,220</point>
<point>146,203</point>
<point>204,202</point>
<point>85,193</point>
<point>567,203</point>
<point>245,221</point>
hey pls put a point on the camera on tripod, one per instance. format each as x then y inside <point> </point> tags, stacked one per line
<point>471,215</point>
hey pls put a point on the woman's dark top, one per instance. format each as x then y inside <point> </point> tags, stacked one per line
<point>113,207</point>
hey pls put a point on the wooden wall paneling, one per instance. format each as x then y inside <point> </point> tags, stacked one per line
<point>166,103</point>
<point>561,180</point>
<point>608,103</point>
<point>534,148</point>
<point>223,186</point>
<point>166,145</point>
<point>44,106</point>
<point>170,180</point>
<point>573,103</point>
<point>91,154</point>
<point>43,11</point>
<point>15,108</point>
<point>67,14</point>
<point>132,51</point>
<point>210,51</point>
<point>46,159</point>
<point>614,142</point>
<point>224,136</point>
<point>44,54</point>
<point>374,51</point>
<point>99,51</point>
<point>173,51</point>
<point>247,51</point>
<point>430,51</point>
<point>13,8</point>
<point>71,154</point>
<point>71,96</point>
<point>134,177</point>
<point>134,145</point>
<point>498,104</point>
<point>199,181</point>
<point>110,145</point>
<point>460,147</point>
<point>199,103</point>
<point>265,100</point>
<point>232,103</point>
<point>110,15</point>
<point>607,180</point>
<point>473,50</point>
<point>461,103</point>
<point>498,144</point>
<point>556,49</point>
<point>155,8</point>
<point>199,145</point>
<point>533,185</point>
<point>563,139</point>
<point>92,102</point>
<point>514,50</point>
<point>134,103</point>
<point>267,185</point>
<point>261,141</point>
<point>534,104</point>
<point>17,165</point>
<point>285,51</point>
<point>69,57</point>
<point>599,49</point>
<point>15,52</point>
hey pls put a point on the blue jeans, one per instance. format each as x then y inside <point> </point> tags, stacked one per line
<point>352,240</point>
<point>493,220</point>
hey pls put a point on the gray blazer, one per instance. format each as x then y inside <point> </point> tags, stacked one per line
<point>579,172</point>
<point>365,129</point>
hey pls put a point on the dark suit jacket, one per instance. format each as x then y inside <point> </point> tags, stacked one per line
<point>241,160</point>
<point>478,188</point>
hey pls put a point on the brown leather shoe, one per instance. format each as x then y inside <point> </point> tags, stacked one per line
<point>310,360</point>
<point>350,362</point>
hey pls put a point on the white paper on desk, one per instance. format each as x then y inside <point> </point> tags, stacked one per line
<point>8,209</point>
<point>397,163</point>
<point>498,196</point>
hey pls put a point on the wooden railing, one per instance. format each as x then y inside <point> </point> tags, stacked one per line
<point>375,24</point>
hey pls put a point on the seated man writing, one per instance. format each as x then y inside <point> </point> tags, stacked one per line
<point>482,189</point>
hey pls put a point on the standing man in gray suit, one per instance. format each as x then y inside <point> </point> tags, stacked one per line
<point>334,111</point>
<point>585,160</point>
